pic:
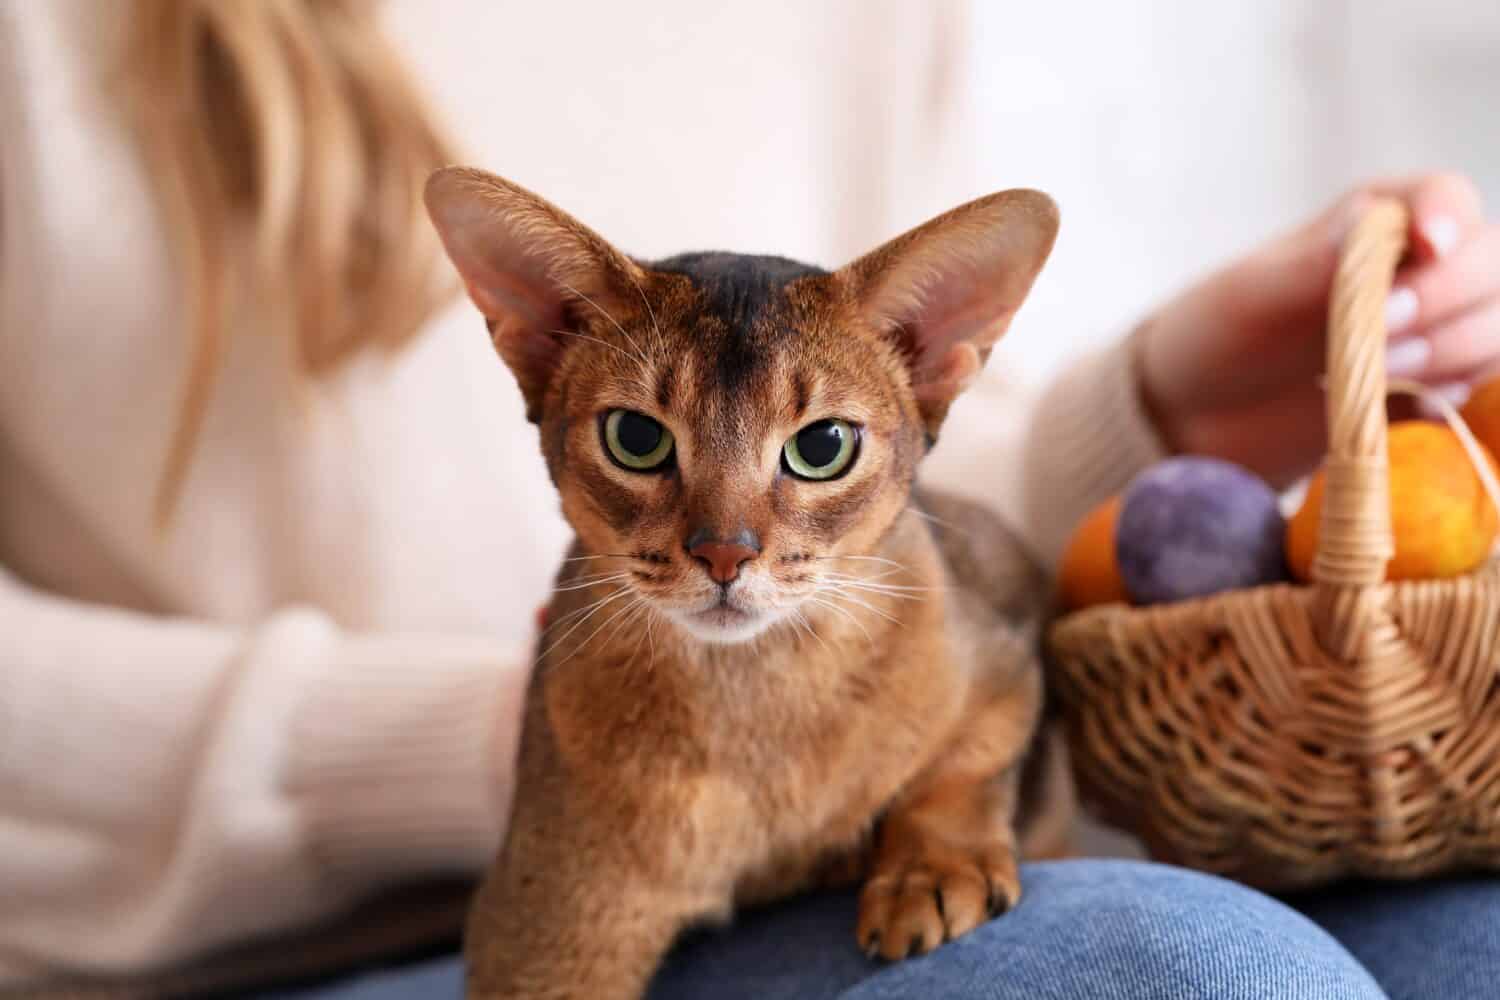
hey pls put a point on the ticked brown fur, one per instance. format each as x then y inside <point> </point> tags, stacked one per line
<point>861,701</point>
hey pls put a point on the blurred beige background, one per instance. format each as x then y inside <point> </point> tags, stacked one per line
<point>1173,132</point>
<point>1176,134</point>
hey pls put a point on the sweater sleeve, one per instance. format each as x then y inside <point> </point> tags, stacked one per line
<point>1088,437</point>
<point>167,787</point>
<point>1043,460</point>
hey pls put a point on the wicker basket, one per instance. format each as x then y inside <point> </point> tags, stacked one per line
<point>1290,735</point>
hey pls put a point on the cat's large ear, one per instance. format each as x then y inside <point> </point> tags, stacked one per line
<point>526,264</point>
<point>947,290</point>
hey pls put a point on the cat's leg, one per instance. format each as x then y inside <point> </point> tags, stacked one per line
<point>945,861</point>
<point>945,856</point>
<point>542,944</point>
<point>575,910</point>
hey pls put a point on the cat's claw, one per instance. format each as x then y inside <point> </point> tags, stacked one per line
<point>911,909</point>
<point>1002,899</point>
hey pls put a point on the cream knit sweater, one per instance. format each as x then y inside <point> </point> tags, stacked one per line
<point>307,690</point>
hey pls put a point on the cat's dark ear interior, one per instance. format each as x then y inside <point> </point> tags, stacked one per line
<point>525,264</point>
<point>948,289</point>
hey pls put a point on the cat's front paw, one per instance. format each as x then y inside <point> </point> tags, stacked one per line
<point>914,902</point>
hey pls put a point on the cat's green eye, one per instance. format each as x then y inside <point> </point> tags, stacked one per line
<point>636,441</point>
<point>821,450</point>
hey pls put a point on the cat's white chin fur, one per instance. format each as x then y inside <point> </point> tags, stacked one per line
<point>725,625</point>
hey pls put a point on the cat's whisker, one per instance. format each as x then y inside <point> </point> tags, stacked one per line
<point>564,619</point>
<point>876,591</point>
<point>873,582</point>
<point>592,610</point>
<point>889,588</point>
<point>861,602</point>
<point>593,573</point>
<point>596,572</point>
<point>596,582</point>
<point>606,555</point>
<point>895,590</point>
<point>831,606</point>
<point>645,633</point>
<point>851,588</point>
<point>655,327</point>
<point>940,522</point>
<point>811,630</point>
<point>640,355</point>
<point>602,343</point>
<point>622,619</point>
<point>794,627</point>
<point>878,576</point>
<point>800,618</point>
<point>875,559</point>
<point>602,626</point>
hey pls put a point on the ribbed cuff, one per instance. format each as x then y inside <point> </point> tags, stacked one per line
<point>1089,436</point>
<point>403,761</point>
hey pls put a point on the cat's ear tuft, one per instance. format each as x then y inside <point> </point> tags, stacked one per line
<point>947,290</point>
<point>525,264</point>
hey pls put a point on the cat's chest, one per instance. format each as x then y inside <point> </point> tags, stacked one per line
<point>802,732</point>
<point>832,756</point>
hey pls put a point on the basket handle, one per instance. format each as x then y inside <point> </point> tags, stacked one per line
<point>1355,541</point>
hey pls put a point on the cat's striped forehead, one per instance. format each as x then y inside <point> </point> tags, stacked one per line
<point>742,307</point>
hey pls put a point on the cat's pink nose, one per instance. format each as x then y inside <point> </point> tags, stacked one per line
<point>723,559</point>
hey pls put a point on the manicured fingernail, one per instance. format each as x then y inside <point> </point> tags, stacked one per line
<point>1400,310</point>
<point>1456,393</point>
<point>1442,232</point>
<point>1406,358</point>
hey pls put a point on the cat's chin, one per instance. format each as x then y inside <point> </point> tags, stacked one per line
<point>723,624</point>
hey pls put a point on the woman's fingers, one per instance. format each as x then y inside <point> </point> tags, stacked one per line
<point>1284,283</point>
<point>1446,209</point>
<point>1432,294</point>
<point>1451,351</point>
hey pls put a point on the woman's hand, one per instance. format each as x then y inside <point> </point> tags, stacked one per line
<point>1230,367</point>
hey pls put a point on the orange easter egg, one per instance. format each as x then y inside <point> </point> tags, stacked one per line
<point>1090,575</point>
<point>1442,519</point>
<point>1482,414</point>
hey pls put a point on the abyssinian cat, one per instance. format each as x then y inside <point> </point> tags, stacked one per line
<point>770,662</point>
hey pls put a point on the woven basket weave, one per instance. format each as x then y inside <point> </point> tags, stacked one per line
<point>1286,736</point>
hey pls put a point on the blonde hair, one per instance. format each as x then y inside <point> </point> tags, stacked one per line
<point>291,125</point>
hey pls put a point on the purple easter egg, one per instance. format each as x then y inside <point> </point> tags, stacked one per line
<point>1190,527</point>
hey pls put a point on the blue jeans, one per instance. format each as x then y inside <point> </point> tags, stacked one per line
<point>1088,930</point>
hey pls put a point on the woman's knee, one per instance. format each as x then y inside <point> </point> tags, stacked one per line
<point>1123,929</point>
<point>1431,938</point>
